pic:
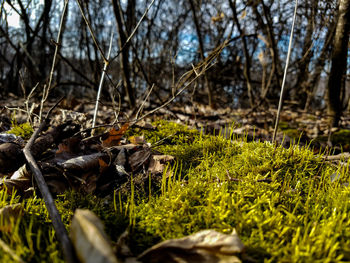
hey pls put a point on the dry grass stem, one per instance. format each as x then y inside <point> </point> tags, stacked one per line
<point>285,72</point>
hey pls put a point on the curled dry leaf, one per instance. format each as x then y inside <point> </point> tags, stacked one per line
<point>137,139</point>
<point>8,215</point>
<point>114,136</point>
<point>22,172</point>
<point>84,162</point>
<point>89,239</point>
<point>206,246</point>
<point>19,185</point>
<point>139,158</point>
<point>158,163</point>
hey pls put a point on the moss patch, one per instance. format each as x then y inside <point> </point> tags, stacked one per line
<point>282,202</point>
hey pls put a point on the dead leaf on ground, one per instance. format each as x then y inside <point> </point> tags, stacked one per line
<point>89,239</point>
<point>139,158</point>
<point>19,185</point>
<point>158,163</point>
<point>206,246</point>
<point>11,157</point>
<point>114,136</point>
<point>8,215</point>
<point>84,162</point>
<point>137,139</point>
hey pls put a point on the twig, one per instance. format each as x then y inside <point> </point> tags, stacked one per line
<point>49,201</point>
<point>144,102</point>
<point>106,62</point>
<point>58,42</point>
<point>185,80</point>
<point>285,72</point>
<point>134,31</point>
<point>26,103</point>
<point>91,32</point>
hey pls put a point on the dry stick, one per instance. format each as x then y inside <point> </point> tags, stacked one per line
<point>101,84</point>
<point>285,73</point>
<point>184,80</point>
<point>58,42</point>
<point>134,31</point>
<point>144,102</point>
<point>49,201</point>
<point>91,32</point>
<point>203,66</point>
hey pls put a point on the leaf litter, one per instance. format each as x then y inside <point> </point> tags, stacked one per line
<point>105,162</point>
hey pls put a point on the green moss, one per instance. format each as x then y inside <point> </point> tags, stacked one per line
<point>24,130</point>
<point>281,201</point>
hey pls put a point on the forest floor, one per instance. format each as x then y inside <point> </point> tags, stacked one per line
<point>209,182</point>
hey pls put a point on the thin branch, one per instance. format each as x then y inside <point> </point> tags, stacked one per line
<point>91,32</point>
<point>61,231</point>
<point>144,102</point>
<point>101,83</point>
<point>285,73</point>
<point>58,42</point>
<point>134,31</point>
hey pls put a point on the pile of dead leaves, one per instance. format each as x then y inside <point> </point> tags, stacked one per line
<point>69,159</point>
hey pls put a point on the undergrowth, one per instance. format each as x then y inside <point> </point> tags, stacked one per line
<point>286,204</point>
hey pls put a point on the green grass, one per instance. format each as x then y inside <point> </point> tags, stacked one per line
<point>282,202</point>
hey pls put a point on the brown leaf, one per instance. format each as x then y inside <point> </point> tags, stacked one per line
<point>84,162</point>
<point>137,139</point>
<point>114,136</point>
<point>89,239</point>
<point>20,185</point>
<point>139,158</point>
<point>206,246</point>
<point>8,215</point>
<point>69,145</point>
<point>158,163</point>
<point>11,157</point>
<point>89,182</point>
<point>103,165</point>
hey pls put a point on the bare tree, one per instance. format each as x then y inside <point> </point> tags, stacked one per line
<point>337,77</point>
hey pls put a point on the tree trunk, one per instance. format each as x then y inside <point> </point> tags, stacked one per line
<point>201,51</point>
<point>124,56</point>
<point>246,71</point>
<point>337,77</point>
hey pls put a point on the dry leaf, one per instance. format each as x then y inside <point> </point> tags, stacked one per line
<point>22,172</point>
<point>139,158</point>
<point>114,136</point>
<point>11,157</point>
<point>20,185</point>
<point>158,163</point>
<point>137,139</point>
<point>84,162</point>
<point>8,215</point>
<point>89,239</point>
<point>207,246</point>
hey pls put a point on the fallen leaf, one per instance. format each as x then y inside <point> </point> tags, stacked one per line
<point>114,136</point>
<point>8,215</point>
<point>89,239</point>
<point>22,172</point>
<point>11,157</point>
<point>84,162</point>
<point>158,163</point>
<point>19,185</point>
<point>139,158</point>
<point>206,246</point>
<point>137,139</point>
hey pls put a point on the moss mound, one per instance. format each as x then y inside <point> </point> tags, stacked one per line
<point>286,204</point>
